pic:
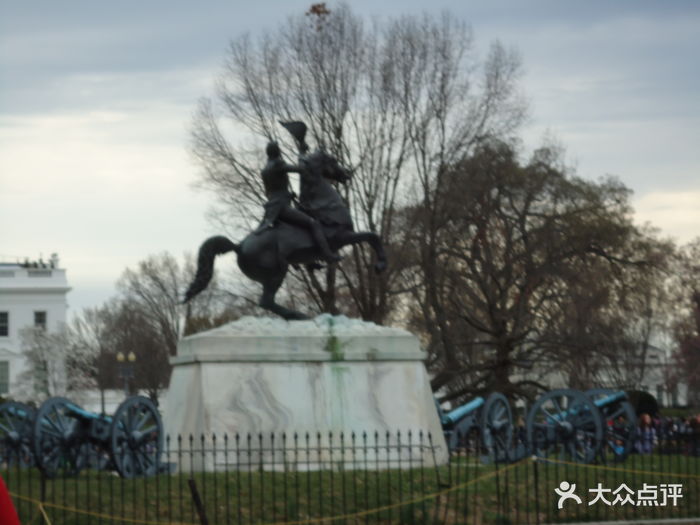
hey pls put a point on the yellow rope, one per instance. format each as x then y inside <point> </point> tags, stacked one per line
<point>41,505</point>
<point>43,513</point>
<point>400,504</point>
<point>74,510</point>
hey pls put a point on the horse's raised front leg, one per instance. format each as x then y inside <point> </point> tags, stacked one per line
<point>370,238</point>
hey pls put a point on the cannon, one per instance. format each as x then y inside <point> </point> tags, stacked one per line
<point>491,418</point>
<point>619,423</point>
<point>599,424</point>
<point>16,422</point>
<point>566,423</point>
<point>67,439</point>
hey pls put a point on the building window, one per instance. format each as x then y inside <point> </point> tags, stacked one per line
<point>4,377</point>
<point>40,320</point>
<point>4,324</point>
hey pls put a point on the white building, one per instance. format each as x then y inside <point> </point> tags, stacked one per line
<point>31,294</point>
<point>649,370</point>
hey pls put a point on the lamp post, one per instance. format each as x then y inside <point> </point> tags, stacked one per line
<point>126,369</point>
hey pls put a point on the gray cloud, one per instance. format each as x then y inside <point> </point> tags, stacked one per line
<point>96,98</point>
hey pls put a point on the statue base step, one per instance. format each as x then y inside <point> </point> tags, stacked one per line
<point>324,386</point>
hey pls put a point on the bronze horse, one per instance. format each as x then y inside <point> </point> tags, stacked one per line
<point>264,256</point>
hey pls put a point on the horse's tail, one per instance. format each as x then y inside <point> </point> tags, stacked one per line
<point>210,248</point>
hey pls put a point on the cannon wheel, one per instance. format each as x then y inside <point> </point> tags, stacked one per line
<point>497,427</point>
<point>59,439</point>
<point>16,422</point>
<point>567,423</point>
<point>136,438</point>
<point>619,425</point>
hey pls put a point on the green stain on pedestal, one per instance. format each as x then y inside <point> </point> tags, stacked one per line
<point>333,344</point>
<point>338,390</point>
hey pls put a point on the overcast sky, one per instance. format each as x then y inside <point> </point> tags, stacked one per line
<point>96,98</point>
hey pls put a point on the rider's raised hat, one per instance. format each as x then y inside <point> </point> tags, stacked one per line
<point>297,129</point>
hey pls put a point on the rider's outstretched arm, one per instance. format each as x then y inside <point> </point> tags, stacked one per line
<point>292,168</point>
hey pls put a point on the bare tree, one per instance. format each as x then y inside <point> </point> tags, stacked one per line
<point>394,101</point>
<point>514,262</point>
<point>686,292</point>
<point>146,318</point>
<point>687,356</point>
<point>136,334</point>
<point>617,317</point>
<point>98,335</point>
<point>157,285</point>
<point>45,373</point>
<point>93,336</point>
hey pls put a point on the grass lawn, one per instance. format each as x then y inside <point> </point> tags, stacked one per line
<point>499,494</point>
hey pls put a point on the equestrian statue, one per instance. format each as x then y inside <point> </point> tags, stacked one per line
<point>304,232</point>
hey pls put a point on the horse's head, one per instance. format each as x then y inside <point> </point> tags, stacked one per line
<point>331,168</point>
<point>317,195</point>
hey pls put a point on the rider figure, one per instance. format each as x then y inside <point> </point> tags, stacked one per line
<point>279,199</point>
<point>334,210</point>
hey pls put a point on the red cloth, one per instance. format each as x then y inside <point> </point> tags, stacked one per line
<point>8,514</point>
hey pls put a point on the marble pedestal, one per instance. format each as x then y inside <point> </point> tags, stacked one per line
<point>328,377</point>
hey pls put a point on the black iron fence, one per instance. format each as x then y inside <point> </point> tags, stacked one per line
<point>397,477</point>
